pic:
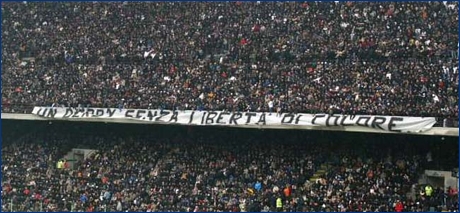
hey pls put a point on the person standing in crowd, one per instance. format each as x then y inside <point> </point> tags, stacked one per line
<point>279,204</point>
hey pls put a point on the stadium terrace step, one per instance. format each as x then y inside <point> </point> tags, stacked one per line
<point>313,179</point>
<point>322,171</point>
<point>319,173</point>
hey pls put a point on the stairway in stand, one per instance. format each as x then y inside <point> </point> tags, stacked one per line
<point>319,172</point>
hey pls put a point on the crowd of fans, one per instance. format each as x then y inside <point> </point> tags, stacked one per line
<point>179,169</point>
<point>391,58</point>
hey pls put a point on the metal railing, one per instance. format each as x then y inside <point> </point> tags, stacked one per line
<point>9,205</point>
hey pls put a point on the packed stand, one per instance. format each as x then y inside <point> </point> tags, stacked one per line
<point>381,183</point>
<point>391,58</point>
<point>31,180</point>
<point>144,168</point>
<point>233,176</point>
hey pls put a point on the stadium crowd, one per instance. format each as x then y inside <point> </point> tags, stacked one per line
<point>178,169</point>
<point>386,58</point>
<point>391,58</point>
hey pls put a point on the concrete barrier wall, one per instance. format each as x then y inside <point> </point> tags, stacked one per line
<point>435,131</point>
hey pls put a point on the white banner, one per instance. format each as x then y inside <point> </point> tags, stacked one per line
<point>189,117</point>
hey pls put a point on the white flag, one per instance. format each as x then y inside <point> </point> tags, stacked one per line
<point>435,98</point>
<point>150,53</point>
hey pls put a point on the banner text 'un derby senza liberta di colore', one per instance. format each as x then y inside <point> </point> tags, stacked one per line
<point>189,117</point>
